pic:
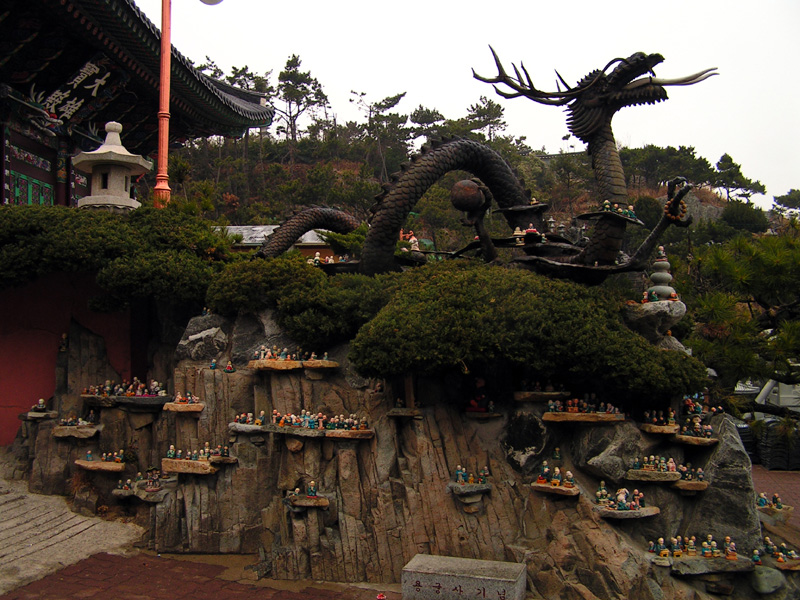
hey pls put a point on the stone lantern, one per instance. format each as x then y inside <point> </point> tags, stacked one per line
<point>112,169</point>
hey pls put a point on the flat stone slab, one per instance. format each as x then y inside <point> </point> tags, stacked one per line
<point>349,434</point>
<point>466,489</point>
<point>242,428</point>
<point>692,440</point>
<point>642,475</point>
<point>663,429</point>
<point>76,431</point>
<point>185,407</point>
<point>641,513</point>
<point>320,364</point>
<point>555,489</point>
<point>133,403</point>
<point>289,430</point>
<point>540,396</point>
<point>34,415</point>
<point>275,365</point>
<point>427,577</point>
<point>482,416</point>
<point>192,467</point>
<point>698,565</point>
<point>790,565</point>
<point>223,460</point>
<point>123,493</point>
<point>690,486</point>
<point>561,417</point>
<point>309,501</point>
<point>405,412</point>
<point>777,512</point>
<point>100,465</point>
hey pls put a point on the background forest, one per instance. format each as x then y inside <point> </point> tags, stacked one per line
<point>735,267</point>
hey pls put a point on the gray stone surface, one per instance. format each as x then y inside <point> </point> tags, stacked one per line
<point>766,580</point>
<point>727,506</point>
<point>206,337</point>
<point>41,535</point>
<point>685,567</point>
<point>652,320</point>
<point>430,577</point>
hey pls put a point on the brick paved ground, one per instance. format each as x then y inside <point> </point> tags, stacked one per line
<point>148,577</point>
<point>785,483</point>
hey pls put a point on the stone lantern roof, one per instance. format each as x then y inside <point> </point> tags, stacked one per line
<point>112,168</point>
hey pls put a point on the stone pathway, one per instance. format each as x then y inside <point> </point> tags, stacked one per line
<point>150,577</point>
<point>40,534</point>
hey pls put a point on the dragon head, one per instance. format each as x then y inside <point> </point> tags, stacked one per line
<point>594,100</point>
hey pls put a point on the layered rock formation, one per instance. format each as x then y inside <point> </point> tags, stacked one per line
<point>388,496</point>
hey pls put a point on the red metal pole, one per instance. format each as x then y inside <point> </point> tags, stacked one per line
<point>162,191</point>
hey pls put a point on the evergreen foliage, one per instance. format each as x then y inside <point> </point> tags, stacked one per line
<point>161,254</point>
<point>453,314</point>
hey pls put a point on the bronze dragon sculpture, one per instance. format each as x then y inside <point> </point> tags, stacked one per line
<point>591,105</point>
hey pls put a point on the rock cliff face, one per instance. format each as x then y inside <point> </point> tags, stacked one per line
<point>388,495</point>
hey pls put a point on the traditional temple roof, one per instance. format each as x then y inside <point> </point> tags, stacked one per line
<point>55,51</point>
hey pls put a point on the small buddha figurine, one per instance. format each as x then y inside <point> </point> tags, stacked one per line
<point>557,453</point>
<point>312,489</point>
<point>89,455</point>
<point>213,364</point>
<point>756,558</point>
<point>556,479</point>
<point>229,368</point>
<point>730,552</point>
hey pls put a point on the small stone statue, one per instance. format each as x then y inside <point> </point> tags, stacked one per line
<point>312,489</point>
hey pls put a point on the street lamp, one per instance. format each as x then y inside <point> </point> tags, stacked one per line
<point>162,191</point>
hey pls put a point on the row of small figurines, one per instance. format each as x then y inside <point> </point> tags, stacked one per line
<point>762,502</point>
<point>115,457</point>
<point>661,464</point>
<point>710,549</point>
<point>189,398</point>
<point>463,478</point>
<point>306,419</point>
<point>622,500</point>
<point>153,475</point>
<point>73,420</point>
<point>554,477</point>
<point>581,406</point>
<point>625,212</point>
<point>264,353</point>
<point>204,453</point>
<point>134,388</point>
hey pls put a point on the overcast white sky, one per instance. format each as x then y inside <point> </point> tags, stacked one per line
<point>428,48</point>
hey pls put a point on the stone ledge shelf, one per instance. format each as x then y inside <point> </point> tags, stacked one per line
<point>291,365</point>
<point>118,493</point>
<point>692,440</point>
<point>690,488</point>
<point>555,489</point>
<point>192,467</point>
<point>100,465</point>
<point>662,429</point>
<point>223,460</point>
<point>301,504</point>
<point>346,434</point>
<point>184,407</point>
<point>467,489</point>
<point>655,476</point>
<point>698,565</point>
<point>34,415</point>
<point>562,417</point>
<point>778,514</point>
<point>540,396</point>
<point>640,513</point>
<point>76,431</point>
<point>132,403</point>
